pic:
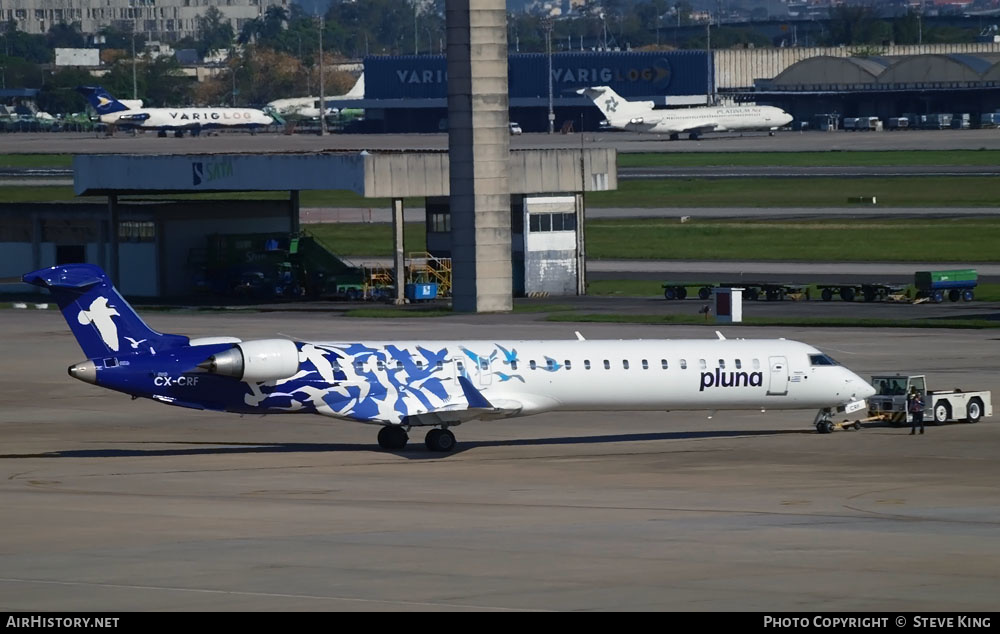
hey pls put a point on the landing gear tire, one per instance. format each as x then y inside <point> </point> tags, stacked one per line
<point>674,136</point>
<point>440,440</point>
<point>694,136</point>
<point>392,437</point>
<point>824,427</point>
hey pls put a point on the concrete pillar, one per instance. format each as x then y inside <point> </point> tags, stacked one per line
<point>113,231</point>
<point>478,150</point>
<point>399,262</point>
<point>293,204</point>
<point>581,247</point>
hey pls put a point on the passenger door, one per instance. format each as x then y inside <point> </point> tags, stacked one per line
<point>778,376</point>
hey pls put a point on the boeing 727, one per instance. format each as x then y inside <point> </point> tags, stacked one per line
<point>399,385</point>
<point>119,113</point>
<point>308,107</point>
<point>640,116</point>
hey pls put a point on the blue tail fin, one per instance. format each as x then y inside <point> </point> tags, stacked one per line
<point>101,320</point>
<point>101,99</point>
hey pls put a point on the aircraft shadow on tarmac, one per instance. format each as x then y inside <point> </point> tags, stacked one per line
<point>416,451</point>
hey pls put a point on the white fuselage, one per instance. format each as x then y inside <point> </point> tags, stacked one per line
<point>188,118</point>
<point>713,119</point>
<point>575,375</point>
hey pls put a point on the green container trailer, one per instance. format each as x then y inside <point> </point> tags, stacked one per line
<point>956,284</point>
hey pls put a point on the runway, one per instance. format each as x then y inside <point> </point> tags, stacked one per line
<point>113,504</point>
<point>239,142</point>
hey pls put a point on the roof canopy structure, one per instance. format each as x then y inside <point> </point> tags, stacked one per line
<point>372,175</point>
<point>905,72</point>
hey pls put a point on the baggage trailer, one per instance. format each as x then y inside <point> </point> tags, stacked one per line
<point>935,285</point>
<point>940,406</point>
<point>752,291</point>
<point>869,291</point>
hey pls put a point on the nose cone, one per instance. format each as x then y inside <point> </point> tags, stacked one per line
<point>85,371</point>
<point>785,118</point>
<point>866,390</point>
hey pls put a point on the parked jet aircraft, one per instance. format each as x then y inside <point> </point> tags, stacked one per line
<point>639,116</point>
<point>309,106</point>
<point>119,113</point>
<point>439,384</point>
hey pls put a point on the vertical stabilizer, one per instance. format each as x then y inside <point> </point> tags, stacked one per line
<point>103,323</point>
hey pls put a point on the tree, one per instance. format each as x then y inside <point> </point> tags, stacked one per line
<point>59,95</point>
<point>32,48</point>
<point>64,35</point>
<point>906,30</point>
<point>215,33</point>
<point>857,25</point>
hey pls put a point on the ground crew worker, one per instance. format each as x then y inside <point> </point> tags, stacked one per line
<point>915,406</point>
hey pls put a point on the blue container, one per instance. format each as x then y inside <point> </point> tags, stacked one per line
<point>417,292</point>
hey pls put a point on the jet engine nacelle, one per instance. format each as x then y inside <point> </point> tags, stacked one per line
<point>256,361</point>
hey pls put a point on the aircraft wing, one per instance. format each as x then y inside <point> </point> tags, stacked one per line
<point>475,407</point>
<point>698,126</point>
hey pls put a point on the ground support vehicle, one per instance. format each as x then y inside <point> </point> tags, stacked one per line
<point>940,406</point>
<point>869,291</point>
<point>955,285</point>
<point>752,291</point>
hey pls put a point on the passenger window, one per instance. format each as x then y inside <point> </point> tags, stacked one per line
<point>663,364</point>
<point>607,364</point>
<point>722,363</point>
<point>551,363</point>
<point>702,364</point>
<point>513,364</point>
<point>645,364</point>
<point>568,364</point>
<point>358,366</point>
<point>420,365</point>
<point>440,365</point>
<point>756,364</point>
<point>484,364</point>
<point>380,365</point>
<point>532,364</point>
<point>586,364</point>
<point>684,364</point>
<point>461,367</point>
<point>738,364</point>
<point>625,363</point>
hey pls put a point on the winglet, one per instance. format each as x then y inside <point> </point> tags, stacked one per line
<point>579,336</point>
<point>474,396</point>
<point>721,336</point>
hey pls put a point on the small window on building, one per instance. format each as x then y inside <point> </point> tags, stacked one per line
<point>545,221</point>
<point>534,224</point>
<point>557,222</point>
<point>569,222</point>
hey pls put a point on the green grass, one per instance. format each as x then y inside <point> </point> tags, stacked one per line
<point>36,160</point>
<point>828,322</point>
<point>902,191</point>
<point>654,288</point>
<point>37,194</point>
<point>803,159</point>
<point>356,239</point>
<point>924,240</point>
<point>540,308</point>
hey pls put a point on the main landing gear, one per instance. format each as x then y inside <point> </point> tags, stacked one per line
<point>395,437</point>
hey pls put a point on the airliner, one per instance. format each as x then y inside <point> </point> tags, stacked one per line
<point>399,385</point>
<point>309,106</point>
<point>128,115</point>
<point>639,116</point>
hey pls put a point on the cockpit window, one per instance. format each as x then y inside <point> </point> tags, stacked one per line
<point>821,359</point>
